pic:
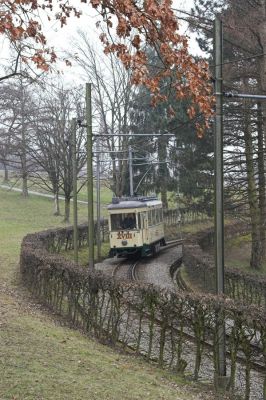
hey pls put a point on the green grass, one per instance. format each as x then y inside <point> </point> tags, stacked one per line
<point>237,255</point>
<point>83,254</point>
<point>41,360</point>
<point>105,194</point>
<point>194,228</point>
<point>20,216</point>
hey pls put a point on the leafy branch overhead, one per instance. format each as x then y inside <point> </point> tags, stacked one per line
<point>148,23</point>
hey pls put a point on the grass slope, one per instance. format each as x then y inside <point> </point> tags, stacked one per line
<point>105,193</point>
<point>42,360</point>
<point>237,255</point>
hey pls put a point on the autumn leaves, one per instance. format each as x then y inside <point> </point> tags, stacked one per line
<point>140,25</point>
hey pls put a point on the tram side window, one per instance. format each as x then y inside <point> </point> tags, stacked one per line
<point>143,218</point>
<point>150,217</point>
<point>159,215</point>
<point>139,221</point>
<point>155,216</point>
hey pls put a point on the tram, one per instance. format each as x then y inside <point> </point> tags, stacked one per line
<point>135,226</point>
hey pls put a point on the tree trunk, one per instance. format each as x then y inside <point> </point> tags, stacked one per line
<point>56,205</point>
<point>116,187</point>
<point>25,192</point>
<point>123,176</point>
<point>261,177</point>
<point>23,149</point>
<point>6,177</point>
<point>262,127</point>
<point>162,171</point>
<point>67,209</point>
<point>256,248</point>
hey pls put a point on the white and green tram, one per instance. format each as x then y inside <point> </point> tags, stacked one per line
<point>135,226</point>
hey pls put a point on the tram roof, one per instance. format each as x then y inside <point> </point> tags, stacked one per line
<point>126,203</point>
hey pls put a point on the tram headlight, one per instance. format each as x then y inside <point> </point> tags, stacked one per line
<point>124,242</point>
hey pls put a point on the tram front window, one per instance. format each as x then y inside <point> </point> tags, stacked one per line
<point>129,222</point>
<point>123,221</point>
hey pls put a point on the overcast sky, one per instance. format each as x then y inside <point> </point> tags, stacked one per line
<point>61,38</point>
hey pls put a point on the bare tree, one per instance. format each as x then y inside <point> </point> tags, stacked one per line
<point>18,113</point>
<point>112,95</point>
<point>8,118</point>
<point>51,148</point>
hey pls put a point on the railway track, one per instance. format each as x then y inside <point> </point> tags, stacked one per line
<point>126,269</point>
<point>133,270</point>
<point>136,269</point>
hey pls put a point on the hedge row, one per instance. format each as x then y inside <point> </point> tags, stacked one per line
<point>62,239</point>
<point>168,327</point>
<point>239,285</point>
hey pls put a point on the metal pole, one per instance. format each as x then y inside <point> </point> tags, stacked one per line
<point>219,207</point>
<point>244,96</point>
<point>134,134</point>
<point>75,202</point>
<point>98,201</point>
<point>130,171</point>
<point>90,176</point>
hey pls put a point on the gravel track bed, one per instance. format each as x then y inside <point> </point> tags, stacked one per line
<point>156,270</point>
<point>153,270</point>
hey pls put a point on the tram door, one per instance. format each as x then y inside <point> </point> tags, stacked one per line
<point>144,227</point>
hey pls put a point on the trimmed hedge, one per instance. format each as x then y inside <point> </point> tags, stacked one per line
<point>168,327</point>
<point>239,285</point>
